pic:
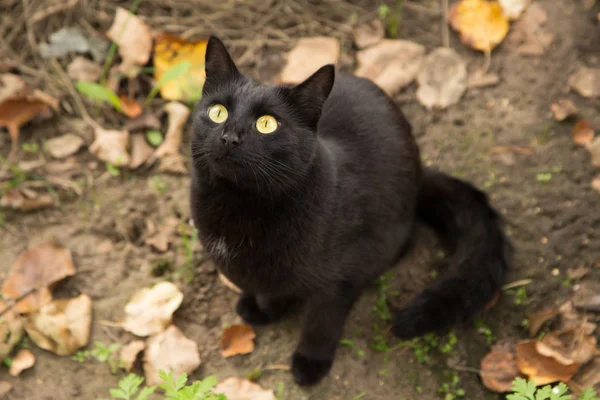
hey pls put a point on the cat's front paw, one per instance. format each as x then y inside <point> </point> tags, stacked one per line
<point>309,371</point>
<point>247,308</point>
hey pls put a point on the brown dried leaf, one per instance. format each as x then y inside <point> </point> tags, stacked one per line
<point>237,339</point>
<point>168,151</point>
<point>63,146</point>
<point>537,320</point>
<point>26,200</point>
<point>442,79</point>
<point>577,273</point>
<point>563,109</point>
<point>130,352</point>
<point>307,57</point>
<point>480,78</point>
<point>498,370</point>
<point>583,134</point>
<point>130,107</point>
<point>23,360</point>
<point>142,123</point>
<point>587,377</point>
<point>11,330</point>
<point>391,64</point>
<point>543,370</point>
<point>368,34</point>
<point>150,310</point>
<point>38,269</point>
<point>571,319</point>
<point>586,82</point>
<point>133,37</point>
<point>141,151</point>
<point>170,351</point>
<point>111,146</point>
<point>587,298</point>
<point>529,36</point>
<point>82,69</point>
<point>63,326</point>
<point>161,238</point>
<point>568,347</point>
<point>241,389</point>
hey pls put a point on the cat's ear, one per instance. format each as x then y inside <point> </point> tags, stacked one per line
<point>317,87</point>
<point>218,64</point>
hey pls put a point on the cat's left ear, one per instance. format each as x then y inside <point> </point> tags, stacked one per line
<point>316,88</point>
<point>218,64</point>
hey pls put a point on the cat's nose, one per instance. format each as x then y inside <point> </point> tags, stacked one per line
<point>230,140</point>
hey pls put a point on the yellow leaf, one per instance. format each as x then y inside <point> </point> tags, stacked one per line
<point>170,51</point>
<point>481,23</point>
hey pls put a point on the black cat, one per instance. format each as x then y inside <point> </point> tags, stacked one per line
<point>309,193</point>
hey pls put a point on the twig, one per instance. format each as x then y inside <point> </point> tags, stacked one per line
<point>512,285</point>
<point>29,27</point>
<point>54,9</point>
<point>11,303</point>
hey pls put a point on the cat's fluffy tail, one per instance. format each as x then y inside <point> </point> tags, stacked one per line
<point>479,256</point>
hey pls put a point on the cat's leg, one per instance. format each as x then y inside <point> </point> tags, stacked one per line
<point>322,331</point>
<point>263,309</point>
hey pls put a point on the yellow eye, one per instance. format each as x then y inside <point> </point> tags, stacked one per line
<point>218,113</point>
<point>266,124</point>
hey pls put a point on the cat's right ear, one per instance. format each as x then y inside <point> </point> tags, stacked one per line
<point>218,64</point>
<point>317,87</point>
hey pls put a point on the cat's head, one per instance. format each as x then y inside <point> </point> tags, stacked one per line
<point>256,136</point>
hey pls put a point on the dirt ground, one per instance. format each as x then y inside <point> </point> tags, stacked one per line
<point>554,224</point>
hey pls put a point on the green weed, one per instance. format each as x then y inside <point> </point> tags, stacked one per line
<point>30,147</point>
<point>451,389</point>
<point>129,386</point>
<point>520,295</point>
<point>352,344</point>
<point>523,390</point>
<point>485,330</point>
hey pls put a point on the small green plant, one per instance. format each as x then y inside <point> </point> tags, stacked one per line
<point>485,330</point>
<point>189,244</point>
<point>279,391</point>
<point>352,344</point>
<point>154,137</point>
<point>96,91</point>
<point>7,361</point>
<point>520,295</point>
<point>359,396</point>
<point>544,177</point>
<point>100,353</point>
<point>451,389</point>
<point>523,390</point>
<point>448,345</point>
<point>113,170</point>
<point>81,356</point>
<point>381,308</point>
<point>159,185</point>
<point>176,389</point>
<point>129,386</point>
<point>30,147</point>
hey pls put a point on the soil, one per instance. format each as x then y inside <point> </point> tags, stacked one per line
<point>554,224</point>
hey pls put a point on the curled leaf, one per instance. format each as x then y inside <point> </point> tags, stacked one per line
<point>563,109</point>
<point>307,56</point>
<point>82,69</point>
<point>150,310</point>
<point>583,134</point>
<point>586,82</point>
<point>11,330</point>
<point>481,23</point>
<point>542,369</point>
<point>63,326</point>
<point>111,146</point>
<point>237,339</point>
<point>368,34</point>
<point>133,37</point>
<point>498,370</point>
<point>241,389</point>
<point>63,146</point>
<point>568,347</point>
<point>130,352</point>
<point>442,79</point>
<point>537,320</point>
<point>23,360</point>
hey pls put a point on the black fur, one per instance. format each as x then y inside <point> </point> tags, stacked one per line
<point>317,210</point>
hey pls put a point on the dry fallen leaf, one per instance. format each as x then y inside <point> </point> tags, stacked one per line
<point>168,153</point>
<point>26,200</point>
<point>141,151</point>
<point>142,123</point>
<point>307,57</point>
<point>82,69</point>
<point>583,134</point>
<point>538,319</point>
<point>568,347</point>
<point>37,269</point>
<point>513,8</point>
<point>19,104</point>
<point>577,273</point>
<point>498,370</point>
<point>23,360</point>
<point>237,339</point>
<point>169,351</point>
<point>63,326</point>
<point>11,330</point>
<point>130,107</point>
<point>571,319</point>
<point>130,352</point>
<point>111,146</point>
<point>368,34</point>
<point>442,79</point>
<point>63,146</point>
<point>543,370</point>
<point>586,82</point>
<point>391,64</point>
<point>241,389</point>
<point>480,78</point>
<point>563,109</point>
<point>481,23</point>
<point>587,298</point>
<point>171,51</point>
<point>133,37</point>
<point>529,36</point>
<point>150,310</point>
